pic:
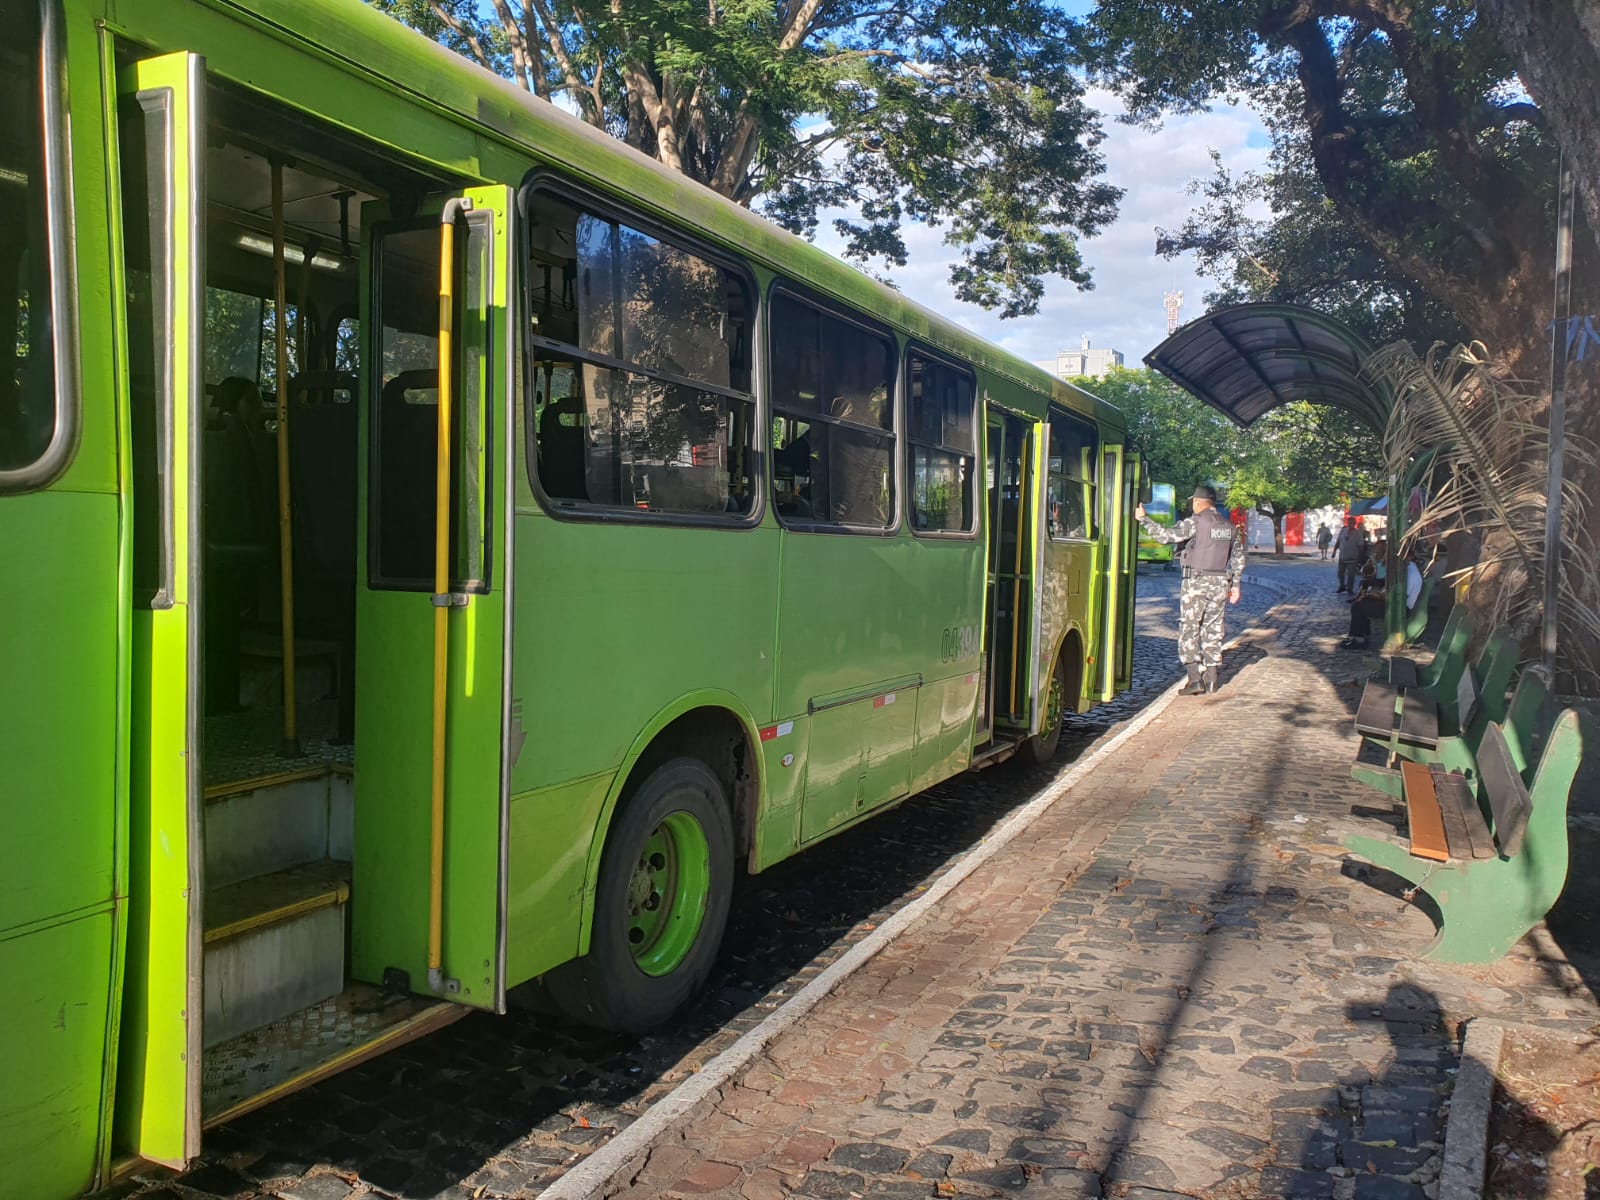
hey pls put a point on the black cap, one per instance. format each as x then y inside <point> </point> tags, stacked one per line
<point>1205,493</point>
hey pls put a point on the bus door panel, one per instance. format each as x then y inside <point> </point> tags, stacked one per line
<point>1013,554</point>
<point>1131,491</point>
<point>1115,578</point>
<point>431,675</point>
<point>160,130</point>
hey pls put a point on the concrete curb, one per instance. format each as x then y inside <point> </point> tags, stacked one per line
<point>1466,1136</point>
<point>588,1179</point>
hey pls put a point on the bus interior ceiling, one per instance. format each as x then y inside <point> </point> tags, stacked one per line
<point>278,814</point>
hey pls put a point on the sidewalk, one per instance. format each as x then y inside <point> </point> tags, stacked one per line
<point>1172,984</point>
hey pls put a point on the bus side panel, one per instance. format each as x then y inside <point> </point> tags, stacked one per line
<point>58,720</point>
<point>947,704</point>
<point>53,1009</point>
<point>550,835</point>
<point>613,623</point>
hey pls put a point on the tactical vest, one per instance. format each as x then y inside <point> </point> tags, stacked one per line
<point>1212,543</point>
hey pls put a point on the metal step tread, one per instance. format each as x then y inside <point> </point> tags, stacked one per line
<point>269,899</point>
<point>256,1068</point>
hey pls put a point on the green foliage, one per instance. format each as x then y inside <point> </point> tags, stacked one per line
<point>1183,442</point>
<point>1303,456</point>
<point>963,114</point>
<point>1297,457</point>
<point>1410,179</point>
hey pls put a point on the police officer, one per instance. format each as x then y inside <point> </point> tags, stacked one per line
<point>1212,564</point>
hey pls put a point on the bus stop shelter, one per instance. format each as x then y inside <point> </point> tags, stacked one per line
<point>1248,360</point>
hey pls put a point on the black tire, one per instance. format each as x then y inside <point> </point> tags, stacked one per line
<point>1041,747</point>
<point>606,987</point>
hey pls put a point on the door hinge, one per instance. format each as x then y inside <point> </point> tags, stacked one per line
<point>450,599</point>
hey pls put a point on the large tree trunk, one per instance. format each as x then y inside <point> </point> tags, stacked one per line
<point>1556,46</point>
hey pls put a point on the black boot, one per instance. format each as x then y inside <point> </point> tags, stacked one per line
<point>1194,687</point>
<point>1208,680</point>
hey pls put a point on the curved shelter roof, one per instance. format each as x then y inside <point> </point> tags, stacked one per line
<point>1246,361</point>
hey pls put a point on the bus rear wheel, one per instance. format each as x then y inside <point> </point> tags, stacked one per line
<point>661,904</point>
<point>1042,745</point>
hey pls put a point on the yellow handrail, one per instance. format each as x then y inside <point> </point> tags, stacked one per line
<point>442,600</point>
<point>280,326</point>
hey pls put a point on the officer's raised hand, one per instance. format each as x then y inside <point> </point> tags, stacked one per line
<point>1138,513</point>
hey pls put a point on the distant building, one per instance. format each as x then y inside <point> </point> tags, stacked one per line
<point>1082,361</point>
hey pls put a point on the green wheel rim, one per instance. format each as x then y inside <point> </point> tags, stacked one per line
<point>667,894</point>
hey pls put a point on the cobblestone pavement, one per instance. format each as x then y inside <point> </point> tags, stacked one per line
<point>1170,985</point>
<point>1175,985</point>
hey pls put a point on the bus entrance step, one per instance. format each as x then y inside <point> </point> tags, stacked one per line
<point>274,944</point>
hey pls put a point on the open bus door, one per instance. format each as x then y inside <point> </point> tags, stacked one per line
<point>160,131</point>
<point>1134,493</point>
<point>1117,473</point>
<point>432,615</point>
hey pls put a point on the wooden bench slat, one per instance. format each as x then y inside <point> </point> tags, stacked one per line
<point>1422,811</point>
<point>1403,672</point>
<point>1419,720</point>
<point>1464,826</point>
<point>1376,713</point>
<point>1503,787</point>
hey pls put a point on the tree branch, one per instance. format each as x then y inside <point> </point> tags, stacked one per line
<point>461,31</point>
<point>595,109</point>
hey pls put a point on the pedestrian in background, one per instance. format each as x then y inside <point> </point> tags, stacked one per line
<point>1349,548</point>
<point>1324,540</point>
<point>1212,563</point>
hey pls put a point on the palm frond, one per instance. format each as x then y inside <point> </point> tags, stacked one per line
<point>1489,476</point>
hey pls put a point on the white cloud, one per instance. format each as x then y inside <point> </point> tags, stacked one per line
<point>1124,311</point>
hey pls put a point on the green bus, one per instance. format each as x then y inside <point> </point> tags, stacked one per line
<point>446,547</point>
<point>1162,508</point>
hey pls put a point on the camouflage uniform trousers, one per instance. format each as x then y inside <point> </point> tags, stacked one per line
<point>1202,603</point>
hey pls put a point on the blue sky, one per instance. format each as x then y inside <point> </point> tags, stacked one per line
<point>1124,310</point>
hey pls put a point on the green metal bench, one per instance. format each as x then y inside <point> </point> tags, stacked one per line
<point>1493,880</point>
<point>1454,638</point>
<point>1524,723</point>
<point>1412,721</point>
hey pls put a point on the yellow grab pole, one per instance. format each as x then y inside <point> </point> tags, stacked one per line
<point>1023,487</point>
<point>280,329</point>
<point>442,600</point>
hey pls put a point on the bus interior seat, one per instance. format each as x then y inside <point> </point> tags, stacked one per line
<point>562,457</point>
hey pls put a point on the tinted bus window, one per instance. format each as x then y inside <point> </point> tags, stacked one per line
<point>642,370</point>
<point>403,481</point>
<point>28,413</point>
<point>1071,479</point>
<point>942,426</point>
<point>832,427</point>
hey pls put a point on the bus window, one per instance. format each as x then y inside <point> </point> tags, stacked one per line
<point>942,426</point>
<point>831,384</point>
<point>347,346</point>
<point>406,419</point>
<point>28,404</point>
<point>1071,482</point>
<point>642,370</point>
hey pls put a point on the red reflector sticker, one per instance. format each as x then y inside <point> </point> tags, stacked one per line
<point>880,701</point>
